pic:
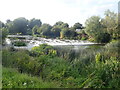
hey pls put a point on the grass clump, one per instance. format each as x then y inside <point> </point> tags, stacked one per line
<point>13,79</point>
<point>19,43</point>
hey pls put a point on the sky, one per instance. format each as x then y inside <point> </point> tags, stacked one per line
<point>51,11</point>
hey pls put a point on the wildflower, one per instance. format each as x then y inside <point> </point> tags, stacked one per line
<point>24,84</point>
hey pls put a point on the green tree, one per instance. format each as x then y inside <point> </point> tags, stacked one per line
<point>67,33</point>
<point>94,27</point>
<point>34,22</point>
<point>61,25</point>
<point>10,27</point>
<point>35,30</point>
<point>45,30</point>
<point>110,23</point>
<point>103,37</point>
<point>78,26</point>
<point>56,31</point>
<point>4,32</point>
<point>19,25</point>
<point>2,24</point>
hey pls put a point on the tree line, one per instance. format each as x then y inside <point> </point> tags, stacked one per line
<point>96,29</point>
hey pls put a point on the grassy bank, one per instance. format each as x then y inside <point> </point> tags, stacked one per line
<point>13,79</point>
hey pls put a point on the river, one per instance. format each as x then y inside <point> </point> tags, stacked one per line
<point>36,41</point>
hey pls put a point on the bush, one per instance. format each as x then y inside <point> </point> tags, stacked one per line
<point>83,69</point>
<point>55,71</point>
<point>13,79</point>
<point>106,75</point>
<point>19,43</point>
<point>43,49</point>
<point>112,49</point>
<point>103,38</point>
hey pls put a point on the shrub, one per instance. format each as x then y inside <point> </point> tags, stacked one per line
<point>43,49</point>
<point>98,58</point>
<point>19,43</point>
<point>13,79</point>
<point>103,38</point>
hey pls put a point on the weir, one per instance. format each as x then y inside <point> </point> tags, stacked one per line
<point>36,41</point>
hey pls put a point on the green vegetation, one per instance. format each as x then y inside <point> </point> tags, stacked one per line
<point>4,33</point>
<point>94,67</point>
<point>97,29</point>
<point>46,66</point>
<point>43,49</point>
<point>19,43</point>
<point>13,79</point>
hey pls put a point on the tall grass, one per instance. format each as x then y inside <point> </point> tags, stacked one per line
<point>13,79</point>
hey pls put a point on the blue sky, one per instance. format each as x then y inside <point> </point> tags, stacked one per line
<point>51,11</point>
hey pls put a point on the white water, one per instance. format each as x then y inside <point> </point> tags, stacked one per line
<point>54,42</point>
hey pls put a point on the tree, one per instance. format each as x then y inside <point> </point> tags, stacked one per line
<point>4,32</point>
<point>96,30</point>
<point>35,30</point>
<point>77,26</point>
<point>110,22</point>
<point>2,24</point>
<point>10,26</point>
<point>34,22</point>
<point>103,37</point>
<point>61,25</point>
<point>8,21</point>
<point>67,33</point>
<point>59,29</point>
<point>19,25</point>
<point>45,30</point>
<point>93,26</point>
<point>56,31</point>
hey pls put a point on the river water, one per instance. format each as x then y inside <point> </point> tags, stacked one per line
<point>75,44</point>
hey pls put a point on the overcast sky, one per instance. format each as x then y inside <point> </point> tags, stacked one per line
<point>51,11</point>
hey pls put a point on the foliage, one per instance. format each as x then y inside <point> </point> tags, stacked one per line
<point>93,26</point>
<point>19,26</point>
<point>4,32</point>
<point>88,67</point>
<point>45,30</point>
<point>103,38</point>
<point>110,22</point>
<point>56,31</point>
<point>67,33</point>
<point>92,67</point>
<point>105,75</point>
<point>77,26</point>
<point>97,29</point>
<point>19,43</point>
<point>34,22</point>
<point>44,49</point>
<point>103,29</point>
<point>35,30</point>
<point>13,79</point>
<point>98,58</point>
